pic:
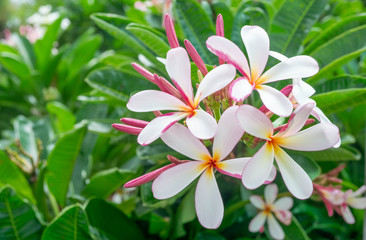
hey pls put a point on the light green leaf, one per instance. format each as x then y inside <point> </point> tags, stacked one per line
<point>23,129</point>
<point>15,65</point>
<point>335,154</point>
<point>26,50</point>
<point>62,116</point>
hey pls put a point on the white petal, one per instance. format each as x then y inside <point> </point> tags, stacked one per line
<point>319,137</point>
<point>175,179</point>
<point>358,203</point>
<point>178,67</point>
<point>275,101</point>
<point>295,67</point>
<point>254,122</point>
<point>209,205</point>
<point>157,126</point>
<point>302,89</point>
<point>240,89</point>
<point>274,228</point>
<point>278,56</point>
<point>259,167</point>
<point>152,100</point>
<point>347,215</point>
<point>215,80</point>
<point>228,134</point>
<point>257,222</point>
<point>229,52</point>
<point>284,203</point>
<point>284,216</point>
<point>298,119</point>
<point>256,42</point>
<point>295,178</point>
<point>202,125</point>
<point>179,138</point>
<point>257,201</point>
<point>270,193</point>
<point>233,167</point>
<point>271,176</point>
<point>359,191</point>
<point>318,114</point>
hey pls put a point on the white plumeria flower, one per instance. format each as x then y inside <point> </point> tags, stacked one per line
<point>256,42</point>
<point>302,92</point>
<point>280,208</point>
<point>199,122</point>
<point>315,138</point>
<point>352,199</point>
<point>209,205</point>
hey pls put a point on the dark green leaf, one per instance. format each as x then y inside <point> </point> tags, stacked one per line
<point>295,230</point>
<point>310,167</point>
<point>341,82</point>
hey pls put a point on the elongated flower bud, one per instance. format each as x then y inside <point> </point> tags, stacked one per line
<point>170,32</point>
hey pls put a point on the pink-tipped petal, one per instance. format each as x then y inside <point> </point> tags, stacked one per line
<point>209,205</point>
<point>179,138</point>
<point>232,167</point>
<point>178,67</point>
<point>257,222</point>
<point>259,167</point>
<point>254,122</point>
<point>144,72</point>
<point>170,32</point>
<point>195,57</point>
<point>158,126</point>
<point>152,100</point>
<point>127,129</point>
<point>257,202</point>
<point>358,203</point>
<point>284,203</point>
<point>172,181</point>
<point>275,229</point>
<point>134,122</point>
<point>215,80</point>
<point>270,193</point>
<point>202,125</point>
<point>295,67</point>
<point>229,52</point>
<point>275,101</point>
<point>296,179</point>
<point>240,89</point>
<point>256,42</point>
<point>147,177</point>
<point>284,216</point>
<point>228,134</point>
<point>316,138</point>
<point>347,215</point>
<point>298,119</point>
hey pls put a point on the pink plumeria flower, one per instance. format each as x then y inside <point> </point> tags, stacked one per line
<point>280,208</point>
<point>352,199</point>
<point>302,92</point>
<point>315,138</point>
<point>200,123</point>
<point>256,42</point>
<point>331,196</point>
<point>209,205</point>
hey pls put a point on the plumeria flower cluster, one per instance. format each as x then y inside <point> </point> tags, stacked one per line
<point>215,113</point>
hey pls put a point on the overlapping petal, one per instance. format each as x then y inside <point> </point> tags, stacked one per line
<point>284,216</point>
<point>233,167</point>
<point>284,203</point>
<point>347,214</point>
<point>257,222</point>
<point>270,193</point>
<point>275,101</point>
<point>202,124</point>
<point>240,89</point>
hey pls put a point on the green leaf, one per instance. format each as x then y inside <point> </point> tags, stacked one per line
<point>224,10</point>
<point>62,116</point>
<point>309,166</point>
<point>109,222</point>
<point>15,64</point>
<point>340,82</point>
<point>196,26</point>
<point>61,161</point>
<point>339,100</point>
<point>335,154</point>
<point>71,223</point>
<point>7,48</point>
<point>10,174</point>
<point>104,183</point>
<point>18,220</point>
<point>295,230</point>
<point>23,129</point>
<point>26,50</point>
<point>292,23</point>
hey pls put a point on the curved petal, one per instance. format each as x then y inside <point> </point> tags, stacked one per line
<point>271,176</point>
<point>359,191</point>
<point>301,89</point>
<point>229,52</point>
<point>319,137</point>
<point>215,80</point>
<point>232,167</point>
<point>270,193</point>
<point>295,178</point>
<point>228,134</point>
<point>257,222</point>
<point>318,114</point>
<point>278,56</point>
<point>274,228</point>
<point>175,179</point>
<point>256,43</point>
<point>257,201</point>
<point>178,67</point>
<point>209,205</point>
<point>284,203</point>
<point>179,138</point>
<point>147,177</point>
<point>158,126</point>
<point>358,203</point>
<point>202,125</point>
<point>347,215</point>
<point>240,89</point>
<point>295,67</point>
<point>274,100</point>
<point>259,167</point>
<point>254,122</point>
<point>284,216</point>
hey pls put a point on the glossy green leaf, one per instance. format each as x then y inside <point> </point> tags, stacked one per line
<point>11,174</point>
<point>63,118</point>
<point>295,230</point>
<point>340,82</point>
<point>71,223</point>
<point>291,24</point>
<point>109,222</point>
<point>18,219</point>
<point>104,183</point>
<point>60,162</point>
<point>23,129</point>
<point>335,154</point>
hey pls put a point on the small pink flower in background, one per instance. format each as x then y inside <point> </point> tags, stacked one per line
<point>315,138</point>
<point>199,122</point>
<point>268,207</point>
<point>256,42</point>
<point>354,200</point>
